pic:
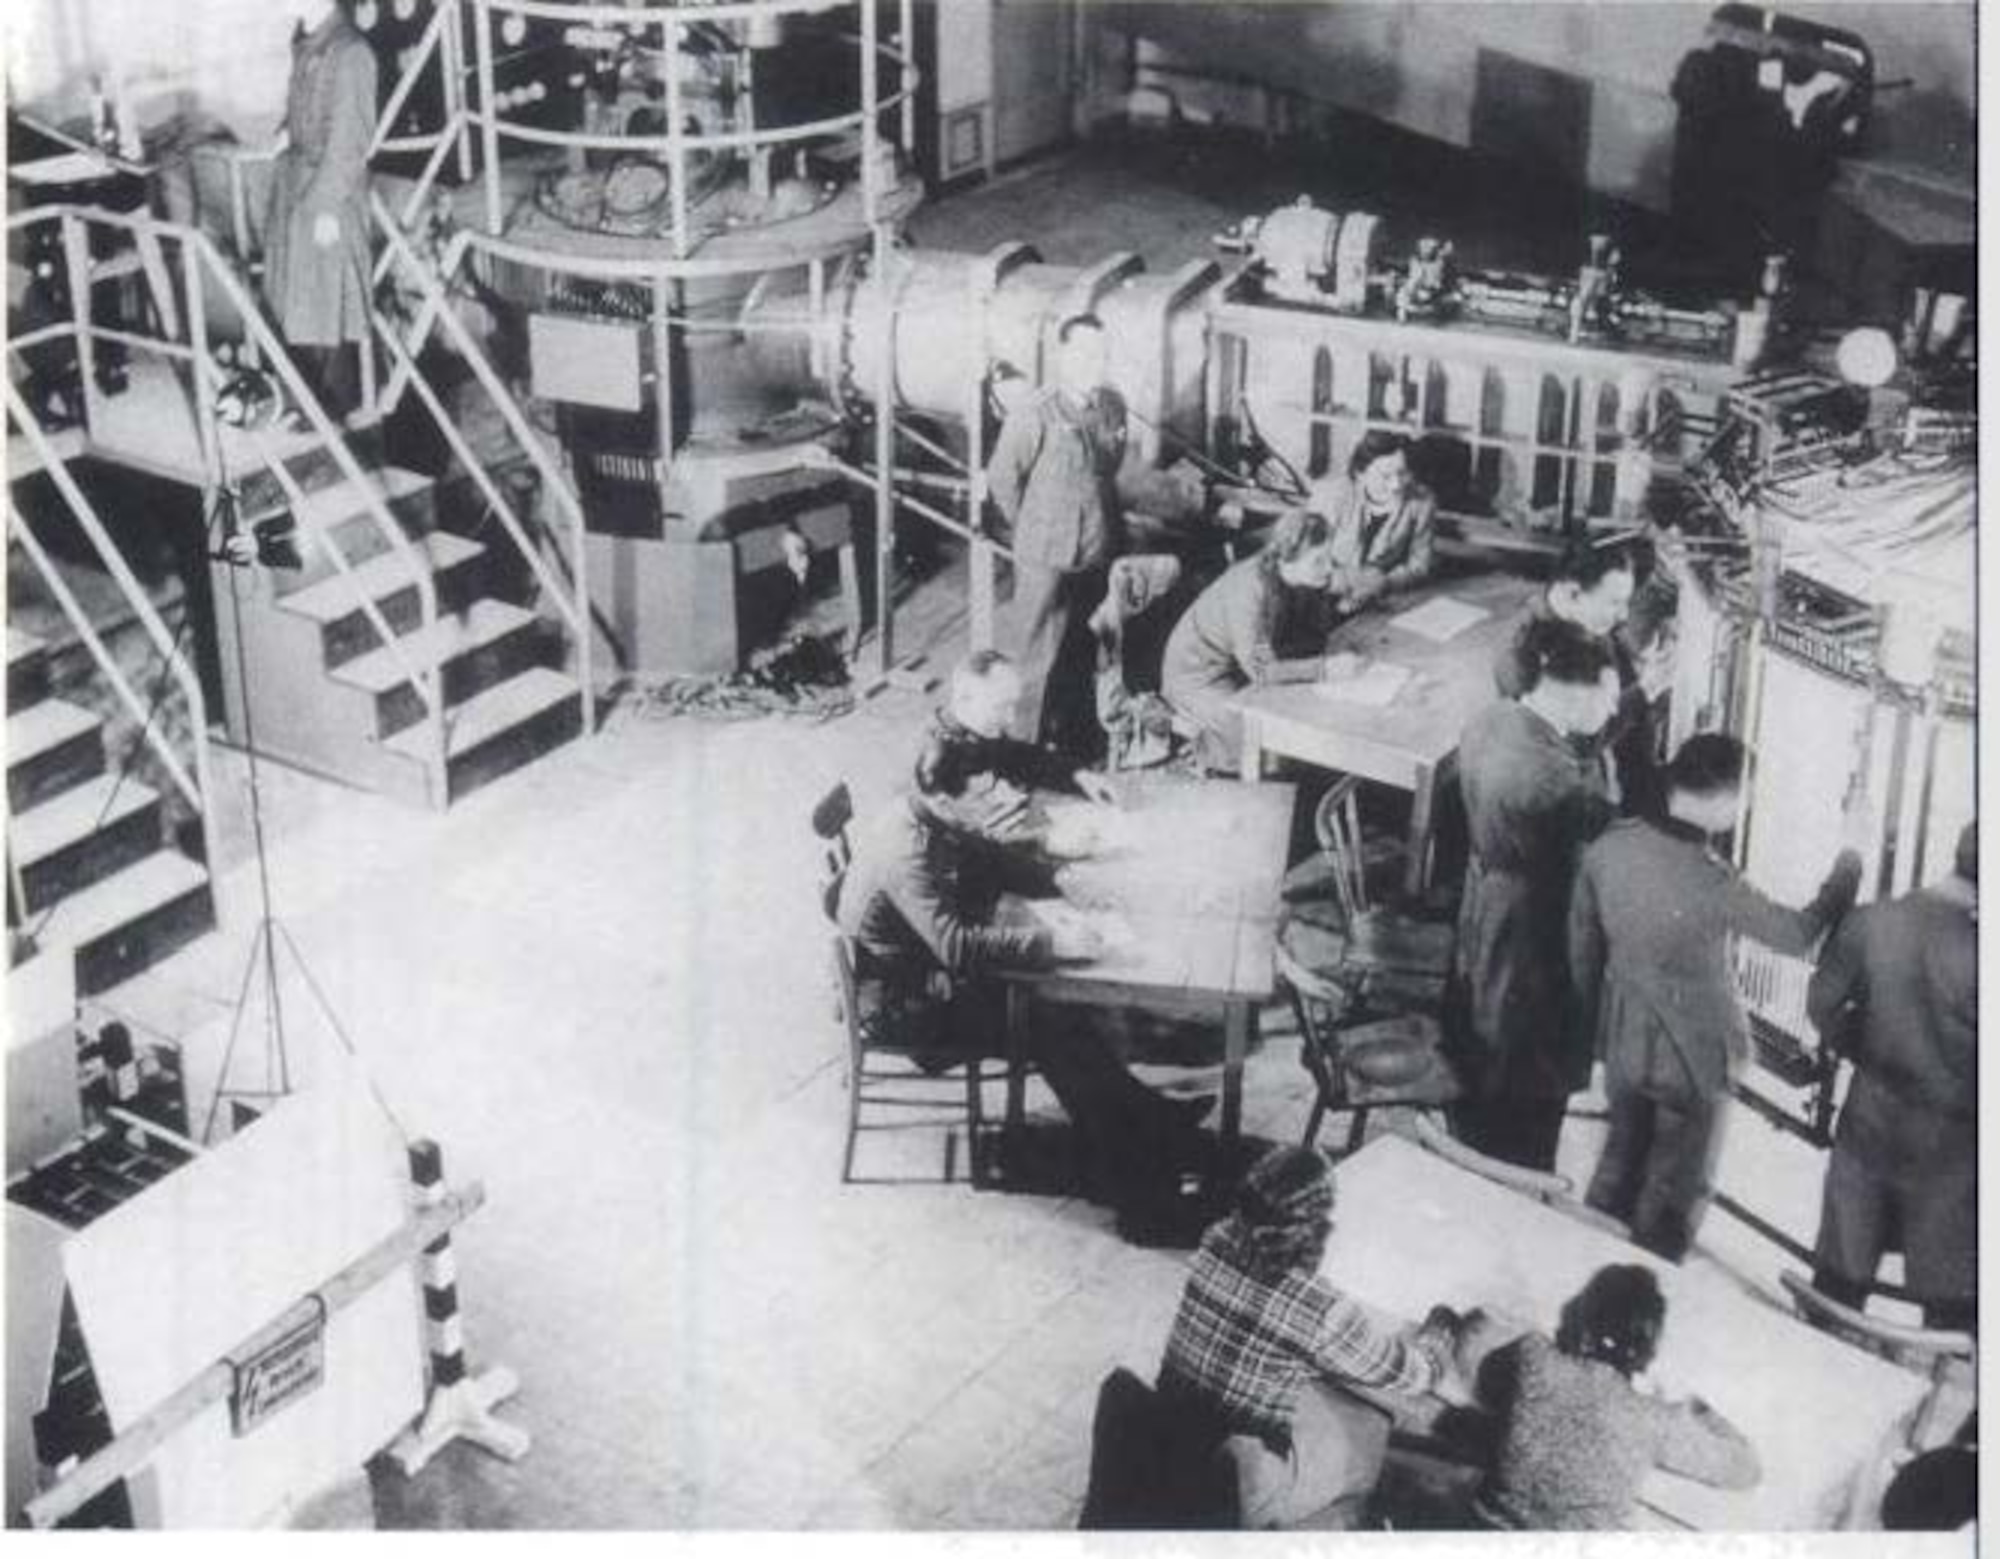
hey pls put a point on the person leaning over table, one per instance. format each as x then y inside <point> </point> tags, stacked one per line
<point>1533,799</point>
<point>920,902</point>
<point>1053,476</point>
<point>1265,621</point>
<point>1594,588</point>
<point>1897,993</point>
<point>1650,925</point>
<point>1383,522</point>
<point>1264,1346</point>
<point>1577,1438</point>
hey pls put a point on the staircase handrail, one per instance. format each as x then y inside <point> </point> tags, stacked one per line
<point>197,787</point>
<point>437,308</point>
<point>272,352</point>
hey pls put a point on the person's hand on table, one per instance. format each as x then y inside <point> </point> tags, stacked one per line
<point>1363,586</point>
<point>1340,666</point>
<point>1097,787</point>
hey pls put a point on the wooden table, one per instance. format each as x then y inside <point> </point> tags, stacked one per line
<point>1407,743</point>
<point>1198,877</point>
<point>1411,1231</point>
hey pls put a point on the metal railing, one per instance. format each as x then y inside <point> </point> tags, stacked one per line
<point>573,604</point>
<point>202,266</point>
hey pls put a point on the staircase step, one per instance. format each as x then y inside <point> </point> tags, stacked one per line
<point>331,599</point>
<point>502,728</point>
<point>50,747</point>
<point>27,669</point>
<point>131,919</point>
<point>488,643</point>
<point>379,670</point>
<point>337,511</point>
<point>83,835</point>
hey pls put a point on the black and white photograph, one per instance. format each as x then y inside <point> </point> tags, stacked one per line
<point>993,767</point>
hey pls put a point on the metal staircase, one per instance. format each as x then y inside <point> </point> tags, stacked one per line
<point>386,651</point>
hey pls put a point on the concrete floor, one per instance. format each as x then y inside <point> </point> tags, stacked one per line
<point>601,985</point>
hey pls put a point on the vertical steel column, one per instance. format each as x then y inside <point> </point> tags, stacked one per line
<point>670,60</point>
<point>906,74</point>
<point>979,560</point>
<point>489,114</point>
<point>871,109</point>
<point>457,126</point>
<point>885,492</point>
<point>663,379</point>
<point>76,265</point>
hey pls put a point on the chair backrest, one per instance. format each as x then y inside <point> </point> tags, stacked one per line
<point>831,816</point>
<point>1547,1188</point>
<point>1337,824</point>
<point>1921,1349</point>
<point>1316,1003</point>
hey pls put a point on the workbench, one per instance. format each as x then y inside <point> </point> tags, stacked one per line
<point>1412,1231</point>
<point>1197,876</point>
<point>1408,743</point>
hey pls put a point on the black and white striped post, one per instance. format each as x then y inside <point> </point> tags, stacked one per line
<point>461,1404</point>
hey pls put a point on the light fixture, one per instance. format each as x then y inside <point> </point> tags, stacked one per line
<point>1867,357</point>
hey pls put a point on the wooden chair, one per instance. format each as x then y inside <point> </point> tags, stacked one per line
<point>1944,1357</point>
<point>1400,959</point>
<point>935,1096</point>
<point>1552,1189</point>
<point>1358,1067</point>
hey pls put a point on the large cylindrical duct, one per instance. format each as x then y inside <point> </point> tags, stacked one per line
<point>948,320</point>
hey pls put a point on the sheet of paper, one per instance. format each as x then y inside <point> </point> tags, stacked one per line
<point>1375,687</point>
<point>1440,619</point>
<point>1112,928</point>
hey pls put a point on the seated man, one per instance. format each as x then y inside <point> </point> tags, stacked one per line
<point>1897,991</point>
<point>920,901</point>
<point>1263,1345</point>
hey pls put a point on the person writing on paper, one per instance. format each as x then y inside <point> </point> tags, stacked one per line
<point>1264,1349</point>
<point>1383,521</point>
<point>921,902</point>
<point>1897,993</point>
<point>1577,1438</point>
<point>1594,588</point>
<point>1533,799</point>
<point>1650,925</point>
<point>1266,620</point>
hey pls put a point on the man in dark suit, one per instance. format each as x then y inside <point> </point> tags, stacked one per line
<point>1649,929</point>
<point>1053,476</point>
<point>923,904</point>
<point>1897,992</point>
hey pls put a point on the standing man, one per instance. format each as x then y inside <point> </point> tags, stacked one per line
<point>1897,992</point>
<point>1533,800</point>
<point>1593,589</point>
<point>1649,930</point>
<point>1054,477</point>
<point>316,251</point>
